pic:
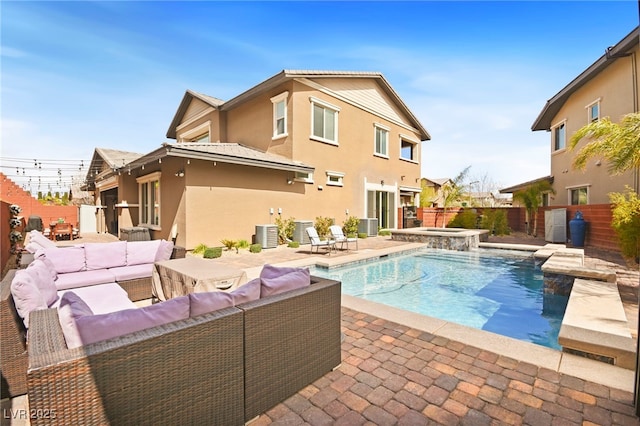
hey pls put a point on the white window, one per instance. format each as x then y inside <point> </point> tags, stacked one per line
<point>149,194</point>
<point>579,196</point>
<point>324,121</point>
<point>335,178</point>
<point>304,177</point>
<point>559,137</point>
<point>408,149</point>
<point>197,134</point>
<point>280,115</point>
<point>381,137</point>
<point>593,111</point>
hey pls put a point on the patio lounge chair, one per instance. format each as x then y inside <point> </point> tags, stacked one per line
<point>314,238</point>
<point>338,236</point>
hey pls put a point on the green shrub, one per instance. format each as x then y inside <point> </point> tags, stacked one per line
<point>362,235</point>
<point>293,244</point>
<point>255,248</point>
<point>229,244</point>
<point>350,226</point>
<point>243,244</point>
<point>212,252</point>
<point>322,225</point>
<point>200,248</point>
<point>286,227</point>
<point>495,221</point>
<point>466,219</point>
<point>384,232</point>
<point>626,221</point>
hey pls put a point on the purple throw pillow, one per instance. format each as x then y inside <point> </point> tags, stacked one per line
<point>96,328</point>
<point>297,279</point>
<point>71,308</point>
<point>271,271</point>
<point>26,295</point>
<point>203,303</point>
<point>247,292</point>
<point>164,250</point>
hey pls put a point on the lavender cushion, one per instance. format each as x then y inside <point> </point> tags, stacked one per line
<point>68,259</point>
<point>289,281</point>
<point>43,280</point>
<point>271,271</point>
<point>102,298</point>
<point>96,328</point>
<point>106,255</point>
<point>132,272</point>
<point>202,303</point>
<point>164,251</point>
<point>247,292</point>
<point>26,295</point>
<point>71,308</point>
<point>38,239</point>
<point>140,252</point>
<point>84,279</point>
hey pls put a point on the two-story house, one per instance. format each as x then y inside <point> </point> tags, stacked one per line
<point>610,87</point>
<point>301,144</point>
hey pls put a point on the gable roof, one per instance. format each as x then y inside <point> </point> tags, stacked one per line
<point>553,105</point>
<point>525,185</point>
<point>113,159</point>
<point>232,153</point>
<point>304,76</point>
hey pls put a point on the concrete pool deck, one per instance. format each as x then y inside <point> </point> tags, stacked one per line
<point>404,368</point>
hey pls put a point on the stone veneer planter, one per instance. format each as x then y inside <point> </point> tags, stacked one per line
<point>443,238</point>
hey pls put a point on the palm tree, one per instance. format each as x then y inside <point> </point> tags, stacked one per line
<point>531,197</point>
<point>452,192</point>
<point>619,144</point>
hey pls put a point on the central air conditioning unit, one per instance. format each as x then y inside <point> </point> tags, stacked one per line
<point>300,231</point>
<point>368,226</point>
<point>267,236</point>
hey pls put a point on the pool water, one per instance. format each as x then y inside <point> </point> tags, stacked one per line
<point>491,290</point>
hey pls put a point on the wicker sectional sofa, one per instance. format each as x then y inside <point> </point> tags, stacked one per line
<point>135,280</point>
<point>224,367</point>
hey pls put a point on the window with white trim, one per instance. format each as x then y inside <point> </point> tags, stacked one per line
<point>199,134</point>
<point>408,149</point>
<point>381,142</point>
<point>559,137</point>
<point>335,178</point>
<point>324,121</point>
<point>280,115</point>
<point>578,196</point>
<point>304,177</point>
<point>149,199</point>
<point>593,111</point>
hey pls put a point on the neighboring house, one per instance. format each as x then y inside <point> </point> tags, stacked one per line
<point>490,199</point>
<point>522,186</point>
<point>435,189</point>
<point>301,144</point>
<point>608,88</point>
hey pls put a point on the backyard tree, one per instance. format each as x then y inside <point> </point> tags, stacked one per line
<point>619,144</point>
<point>531,197</point>
<point>453,191</point>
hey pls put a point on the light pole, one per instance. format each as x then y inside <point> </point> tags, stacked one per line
<point>470,187</point>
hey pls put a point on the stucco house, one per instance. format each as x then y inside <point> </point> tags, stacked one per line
<point>301,144</point>
<point>610,87</point>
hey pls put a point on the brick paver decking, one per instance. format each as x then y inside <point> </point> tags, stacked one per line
<point>394,375</point>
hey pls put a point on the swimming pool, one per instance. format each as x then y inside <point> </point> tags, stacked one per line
<point>493,290</point>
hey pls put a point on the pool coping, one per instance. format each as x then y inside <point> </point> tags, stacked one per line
<point>555,360</point>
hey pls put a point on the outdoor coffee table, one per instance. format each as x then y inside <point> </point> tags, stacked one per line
<point>179,277</point>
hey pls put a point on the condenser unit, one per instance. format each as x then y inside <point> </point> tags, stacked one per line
<point>300,231</point>
<point>267,236</point>
<point>368,226</point>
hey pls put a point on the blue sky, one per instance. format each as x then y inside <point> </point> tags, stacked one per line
<point>80,75</point>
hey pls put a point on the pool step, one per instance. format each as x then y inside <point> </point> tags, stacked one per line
<point>595,324</point>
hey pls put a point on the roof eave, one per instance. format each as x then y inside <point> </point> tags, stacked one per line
<point>553,105</point>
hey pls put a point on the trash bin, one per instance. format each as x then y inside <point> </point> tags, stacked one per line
<point>577,229</point>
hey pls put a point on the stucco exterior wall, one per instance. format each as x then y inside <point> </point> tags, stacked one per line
<point>617,91</point>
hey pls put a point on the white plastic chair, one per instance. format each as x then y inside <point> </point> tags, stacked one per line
<point>338,236</point>
<point>314,238</point>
